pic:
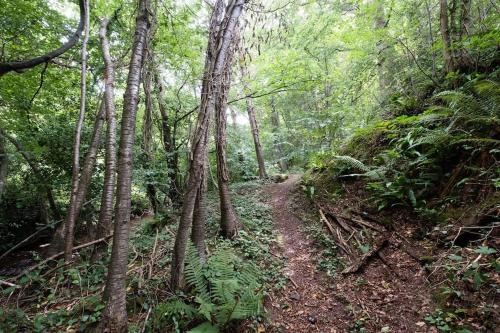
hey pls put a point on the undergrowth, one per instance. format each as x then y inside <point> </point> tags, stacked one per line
<point>442,162</point>
<point>229,288</point>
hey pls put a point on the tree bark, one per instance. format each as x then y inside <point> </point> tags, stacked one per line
<point>228,220</point>
<point>253,121</point>
<point>75,181</point>
<point>107,197</point>
<point>218,46</point>
<point>200,215</point>
<point>168,138</point>
<point>449,64</point>
<point>18,66</point>
<point>115,313</point>
<point>380,25</point>
<point>3,164</point>
<point>147,130</point>
<point>85,180</point>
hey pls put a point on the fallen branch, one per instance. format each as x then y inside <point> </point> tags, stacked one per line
<point>57,255</point>
<point>364,259</point>
<point>8,284</point>
<point>23,241</point>
<point>364,223</point>
<point>335,233</point>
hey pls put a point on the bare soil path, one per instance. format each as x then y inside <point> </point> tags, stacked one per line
<point>305,304</point>
<point>379,298</point>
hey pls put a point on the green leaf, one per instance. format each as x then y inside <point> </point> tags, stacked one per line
<point>412,197</point>
<point>485,250</point>
<point>206,327</point>
<point>455,257</point>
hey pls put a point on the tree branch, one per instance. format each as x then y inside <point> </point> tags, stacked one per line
<point>19,66</point>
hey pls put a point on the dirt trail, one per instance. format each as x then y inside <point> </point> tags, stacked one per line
<point>380,298</point>
<point>305,304</point>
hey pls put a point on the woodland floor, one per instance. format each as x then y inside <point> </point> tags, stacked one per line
<point>378,298</point>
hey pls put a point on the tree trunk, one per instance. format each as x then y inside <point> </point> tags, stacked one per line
<point>73,205</point>
<point>108,191</point>
<point>449,64</point>
<point>234,121</point>
<point>228,220</point>
<point>58,239</point>
<point>200,215</point>
<point>218,46</point>
<point>3,163</point>
<point>275,121</point>
<point>380,25</point>
<point>253,121</point>
<point>168,143</point>
<point>19,66</point>
<point>147,130</point>
<point>115,313</point>
<point>431,37</point>
<point>465,61</point>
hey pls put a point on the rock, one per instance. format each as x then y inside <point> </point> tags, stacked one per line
<point>295,296</point>
<point>312,319</point>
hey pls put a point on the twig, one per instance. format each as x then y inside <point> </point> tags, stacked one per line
<point>376,247</point>
<point>42,77</point>
<point>293,282</point>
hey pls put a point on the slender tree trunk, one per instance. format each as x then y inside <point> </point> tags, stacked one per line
<point>108,191</point>
<point>431,37</point>
<point>73,205</point>
<point>3,163</point>
<point>253,121</point>
<point>228,220</point>
<point>147,131</point>
<point>168,143</point>
<point>84,182</point>
<point>234,121</point>
<point>275,121</point>
<point>115,313</point>
<point>380,25</point>
<point>200,215</point>
<point>465,61</point>
<point>218,46</point>
<point>445,33</point>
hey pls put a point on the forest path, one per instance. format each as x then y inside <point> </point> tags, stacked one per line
<point>305,304</point>
<point>379,298</point>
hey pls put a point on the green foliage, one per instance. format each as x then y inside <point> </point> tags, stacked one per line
<point>224,289</point>
<point>414,160</point>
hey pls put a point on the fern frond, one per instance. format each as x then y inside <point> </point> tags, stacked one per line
<point>194,274</point>
<point>352,162</point>
<point>484,141</point>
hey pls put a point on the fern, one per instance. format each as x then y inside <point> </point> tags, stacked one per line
<point>225,289</point>
<point>352,162</point>
<point>194,274</point>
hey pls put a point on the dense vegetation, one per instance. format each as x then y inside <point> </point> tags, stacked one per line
<point>155,126</point>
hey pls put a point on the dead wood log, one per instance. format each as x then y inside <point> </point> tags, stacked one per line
<point>335,233</point>
<point>364,223</point>
<point>57,255</point>
<point>24,241</point>
<point>379,244</point>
